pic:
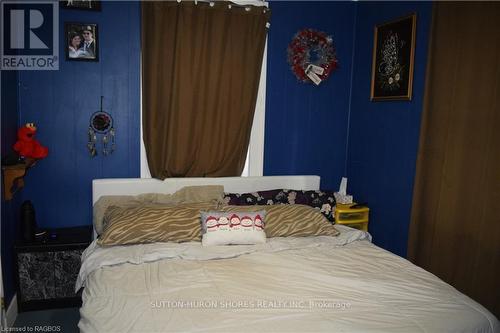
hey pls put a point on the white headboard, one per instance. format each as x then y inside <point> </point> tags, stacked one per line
<point>135,186</point>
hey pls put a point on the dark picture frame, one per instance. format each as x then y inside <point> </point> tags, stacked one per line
<point>82,41</point>
<point>81,5</point>
<point>393,57</point>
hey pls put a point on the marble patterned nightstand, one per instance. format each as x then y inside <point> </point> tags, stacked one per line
<point>46,271</point>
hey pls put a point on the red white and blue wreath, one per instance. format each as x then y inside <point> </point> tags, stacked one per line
<point>312,56</point>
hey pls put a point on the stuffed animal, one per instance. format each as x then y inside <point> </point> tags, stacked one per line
<point>27,146</point>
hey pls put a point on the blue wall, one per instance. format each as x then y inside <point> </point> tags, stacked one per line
<point>10,109</point>
<point>306,125</point>
<point>61,103</point>
<point>10,222</point>
<point>383,136</point>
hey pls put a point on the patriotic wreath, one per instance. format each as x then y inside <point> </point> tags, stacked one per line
<point>312,56</point>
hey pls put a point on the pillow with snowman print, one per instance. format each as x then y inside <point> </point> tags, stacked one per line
<point>232,228</point>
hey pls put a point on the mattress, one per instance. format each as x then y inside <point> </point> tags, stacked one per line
<point>307,284</point>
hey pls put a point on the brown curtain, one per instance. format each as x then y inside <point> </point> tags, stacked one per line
<point>455,227</point>
<point>201,70</point>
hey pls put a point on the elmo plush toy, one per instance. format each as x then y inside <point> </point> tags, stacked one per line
<point>26,145</point>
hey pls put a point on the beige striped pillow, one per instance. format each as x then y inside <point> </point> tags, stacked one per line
<point>153,223</point>
<point>291,220</point>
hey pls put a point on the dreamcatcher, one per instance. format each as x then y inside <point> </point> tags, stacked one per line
<point>101,123</point>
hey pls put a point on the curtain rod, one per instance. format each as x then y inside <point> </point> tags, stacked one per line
<point>239,3</point>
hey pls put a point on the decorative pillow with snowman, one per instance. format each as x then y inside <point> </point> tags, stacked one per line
<point>237,228</point>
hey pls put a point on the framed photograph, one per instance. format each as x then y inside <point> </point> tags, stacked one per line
<point>82,41</point>
<point>392,64</point>
<point>80,4</point>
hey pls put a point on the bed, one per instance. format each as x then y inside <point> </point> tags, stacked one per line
<point>288,284</point>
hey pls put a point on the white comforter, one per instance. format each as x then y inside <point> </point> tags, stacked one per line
<point>312,284</point>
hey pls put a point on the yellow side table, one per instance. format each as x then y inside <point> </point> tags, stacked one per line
<point>352,217</point>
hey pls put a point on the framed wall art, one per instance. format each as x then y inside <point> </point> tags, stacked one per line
<point>392,63</point>
<point>80,4</point>
<point>81,41</point>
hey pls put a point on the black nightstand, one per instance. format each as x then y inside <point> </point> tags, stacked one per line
<point>46,271</point>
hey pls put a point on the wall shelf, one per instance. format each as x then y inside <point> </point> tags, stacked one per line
<point>13,177</point>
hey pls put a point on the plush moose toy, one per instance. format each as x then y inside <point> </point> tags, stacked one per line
<point>27,146</point>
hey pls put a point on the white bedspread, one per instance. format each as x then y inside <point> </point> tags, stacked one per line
<point>313,284</point>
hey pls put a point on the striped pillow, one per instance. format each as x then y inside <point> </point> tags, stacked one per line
<point>291,220</point>
<point>153,223</point>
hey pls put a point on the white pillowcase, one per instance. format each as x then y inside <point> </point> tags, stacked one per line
<point>225,228</point>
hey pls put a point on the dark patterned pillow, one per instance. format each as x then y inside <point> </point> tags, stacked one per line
<point>322,200</point>
<point>254,198</point>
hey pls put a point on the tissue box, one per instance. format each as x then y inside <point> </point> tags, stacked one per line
<point>343,198</point>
